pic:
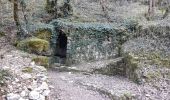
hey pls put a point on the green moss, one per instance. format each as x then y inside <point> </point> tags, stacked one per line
<point>126,96</point>
<point>49,6</point>
<point>165,62</point>
<point>153,75</point>
<point>34,45</point>
<point>2,34</point>
<point>3,75</point>
<point>43,34</point>
<point>41,60</point>
<point>131,61</point>
<point>27,70</point>
<point>131,64</point>
<point>156,58</point>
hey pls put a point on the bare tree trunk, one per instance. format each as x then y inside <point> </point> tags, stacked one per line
<point>151,9</point>
<point>56,8</point>
<point>166,12</point>
<point>23,6</point>
<point>21,32</point>
<point>15,11</point>
<point>104,9</point>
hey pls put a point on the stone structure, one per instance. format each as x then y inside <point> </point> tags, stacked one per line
<point>78,42</point>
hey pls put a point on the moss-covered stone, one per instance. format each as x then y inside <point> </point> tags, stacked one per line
<point>152,75</point>
<point>49,6</point>
<point>131,64</point>
<point>2,34</point>
<point>43,34</point>
<point>156,58</point>
<point>3,75</point>
<point>27,70</point>
<point>126,96</point>
<point>41,60</point>
<point>113,68</point>
<point>34,45</point>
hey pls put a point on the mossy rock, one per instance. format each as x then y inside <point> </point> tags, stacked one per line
<point>155,58</point>
<point>153,75</point>
<point>42,61</point>
<point>2,34</point>
<point>3,75</point>
<point>132,65</point>
<point>27,70</point>
<point>126,96</point>
<point>49,7</point>
<point>34,45</point>
<point>43,34</point>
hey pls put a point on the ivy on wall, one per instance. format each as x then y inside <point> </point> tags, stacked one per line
<point>88,37</point>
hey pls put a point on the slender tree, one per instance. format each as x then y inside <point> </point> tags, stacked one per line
<point>21,32</point>
<point>15,12</point>
<point>52,7</point>
<point>105,9</point>
<point>151,9</point>
<point>23,7</point>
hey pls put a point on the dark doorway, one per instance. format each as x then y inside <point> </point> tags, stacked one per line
<point>61,45</point>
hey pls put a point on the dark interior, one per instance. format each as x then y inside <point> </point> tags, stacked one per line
<point>61,45</point>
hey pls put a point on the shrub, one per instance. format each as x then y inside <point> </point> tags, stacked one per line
<point>42,61</point>
<point>2,34</point>
<point>3,76</point>
<point>43,34</point>
<point>27,70</point>
<point>34,45</point>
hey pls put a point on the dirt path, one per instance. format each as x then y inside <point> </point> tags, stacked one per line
<point>79,85</point>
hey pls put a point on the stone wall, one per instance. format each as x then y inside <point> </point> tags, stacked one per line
<point>88,41</point>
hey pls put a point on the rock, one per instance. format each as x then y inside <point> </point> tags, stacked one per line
<point>41,97</point>
<point>44,86</point>
<point>26,76</point>
<point>147,95</point>
<point>6,68</point>
<point>46,93</point>
<point>32,63</point>
<point>16,80</point>
<point>13,96</point>
<point>51,87</point>
<point>24,93</point>
<point>23,99</point>
<point>41,68</point>
<point>34,95</point>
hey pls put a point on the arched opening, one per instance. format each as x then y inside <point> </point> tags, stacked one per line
<point>61,45</point>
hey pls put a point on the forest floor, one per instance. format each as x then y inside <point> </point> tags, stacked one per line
<point>77,82</point>
<point>70,83</point>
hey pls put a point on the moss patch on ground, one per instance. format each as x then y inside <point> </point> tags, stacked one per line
<point>132,64</point>
<point>136,62</point>
<point>42,61</point>
<point>34,45</point>
<point>3,75</point>
<point>43,34</point>
<point>2,34</point>
<point>153,75</point>
<point>27,70</point>
<point>155,58</point>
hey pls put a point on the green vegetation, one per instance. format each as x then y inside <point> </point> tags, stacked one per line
<point>127,96</point>
<point>131,64</point>
<point>155,58</point>
<point>27,70</point>
<point>2,34</point>
<point>34,45</point>
<point>3,75</point>
<point>50,6</point>
<point>43,34</point>
<point>152,75</point>
<point>41,60</point>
